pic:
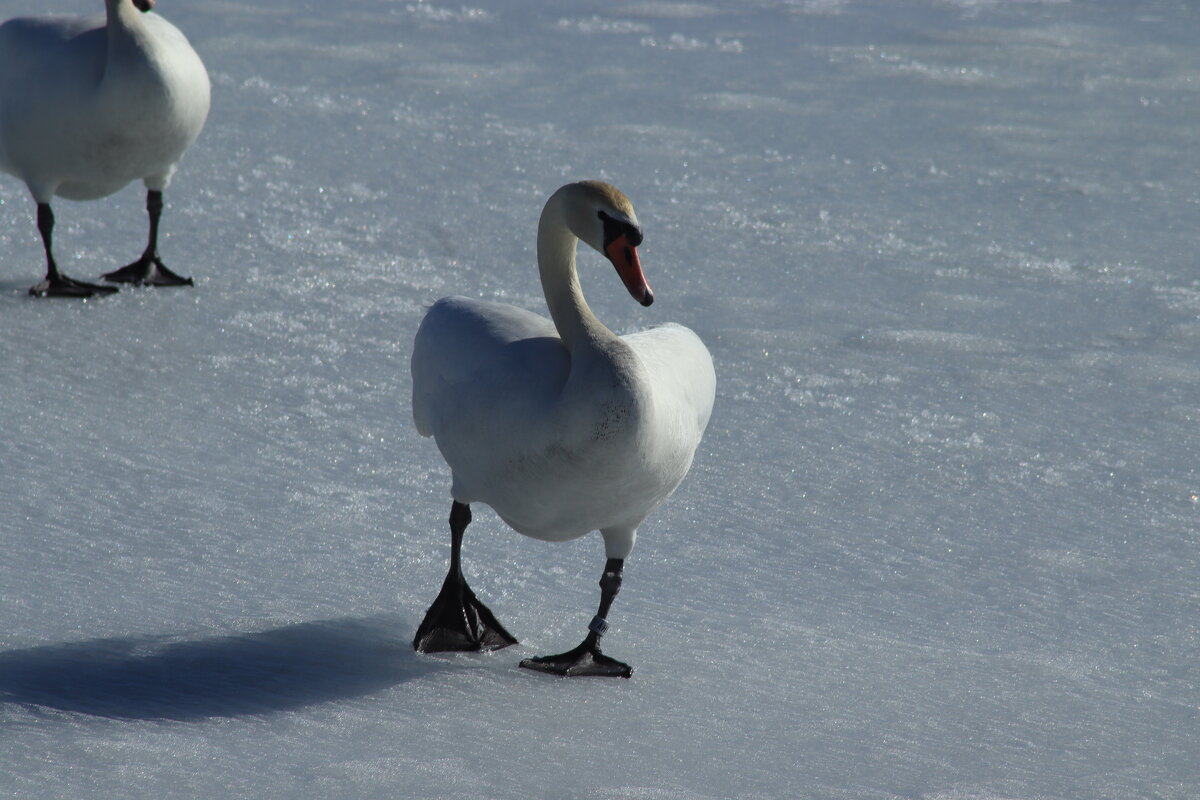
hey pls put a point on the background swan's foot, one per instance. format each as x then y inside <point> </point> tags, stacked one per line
<point>148,272</point>
<point>62,286</point>
<point>584,660</point>
<point>459,621</point>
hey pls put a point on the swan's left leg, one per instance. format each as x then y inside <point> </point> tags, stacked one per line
<point>149,268</point>
<point>458,620</point>
<point>586,659</point>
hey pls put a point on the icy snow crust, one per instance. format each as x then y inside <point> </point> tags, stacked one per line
<point>940,540</point>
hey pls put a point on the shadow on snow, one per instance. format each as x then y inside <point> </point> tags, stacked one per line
<point>154,678</point>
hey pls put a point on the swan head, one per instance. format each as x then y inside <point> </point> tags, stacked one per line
<point>602,216</point>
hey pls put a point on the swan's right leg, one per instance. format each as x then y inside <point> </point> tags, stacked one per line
<point>57,284</point>
<point>458,620</point>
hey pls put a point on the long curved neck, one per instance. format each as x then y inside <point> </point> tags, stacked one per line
<point>125,28</point>
<point>556,246</point>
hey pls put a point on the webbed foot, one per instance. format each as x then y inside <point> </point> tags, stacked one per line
<point>62,286</point>
<point>584,660</point>
<point>148,271</point>
<point>459,621</point>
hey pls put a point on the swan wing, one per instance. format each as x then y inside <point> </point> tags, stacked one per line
<point>41,52</point>
<point>473,358</point>
<point>25,40</point>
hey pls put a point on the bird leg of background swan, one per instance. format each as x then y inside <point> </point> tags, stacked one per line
<point>149,268</point>
<point>586,659</point>
<point>458,620</point>
<point>57,284</point>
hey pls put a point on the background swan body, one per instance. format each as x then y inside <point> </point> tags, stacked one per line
<point>88,105</point>
<point>560,425</point>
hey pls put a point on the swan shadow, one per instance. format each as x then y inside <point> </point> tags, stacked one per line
<point>161,678</point>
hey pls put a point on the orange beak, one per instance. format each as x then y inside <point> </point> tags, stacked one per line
<point>624,257</point>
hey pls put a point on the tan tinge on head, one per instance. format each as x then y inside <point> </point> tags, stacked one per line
<point>607,194</point>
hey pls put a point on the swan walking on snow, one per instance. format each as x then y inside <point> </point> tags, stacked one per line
<point>88,105</point>
<point>561,426</point>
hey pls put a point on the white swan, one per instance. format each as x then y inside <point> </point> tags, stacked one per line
<point>88,105</point>
<point>561,426</point>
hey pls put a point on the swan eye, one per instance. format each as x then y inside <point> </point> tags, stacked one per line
<point>615,229</point>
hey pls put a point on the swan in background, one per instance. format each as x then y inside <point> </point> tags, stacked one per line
<point>559,425</point>
<point>88,105</point>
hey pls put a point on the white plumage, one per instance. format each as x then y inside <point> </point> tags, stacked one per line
<point>559,424</point>
<point>88,105</point>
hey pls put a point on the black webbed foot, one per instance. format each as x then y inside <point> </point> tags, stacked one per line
<point>62,286</point>
<point>584,660</point>
<point>148,271</point>
<point>459,621</point>
<point>57,284</point>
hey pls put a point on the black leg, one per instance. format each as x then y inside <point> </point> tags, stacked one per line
<point>57,284</point>
<point>586,659</point>
<point>458,620</point>
<point>149,268</point>
<point>45,226</point>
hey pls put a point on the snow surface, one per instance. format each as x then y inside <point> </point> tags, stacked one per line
<point>939,543</point>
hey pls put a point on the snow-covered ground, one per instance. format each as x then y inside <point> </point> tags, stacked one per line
<point>940,541</point>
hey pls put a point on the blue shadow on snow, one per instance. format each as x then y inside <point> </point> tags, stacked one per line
<point>154,678</point>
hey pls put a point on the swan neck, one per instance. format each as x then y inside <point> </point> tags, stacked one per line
<point>124,26</point>
<point>556,248</point>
